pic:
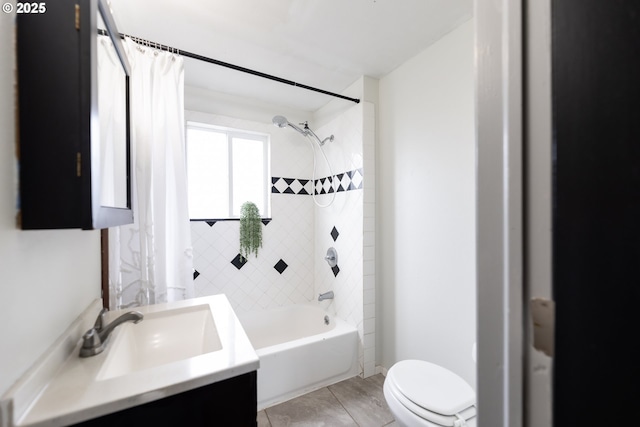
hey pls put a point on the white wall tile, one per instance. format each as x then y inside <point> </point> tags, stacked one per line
<point>299,232</point>
<point>289,236</point>
<point>369,341</point>
<point>369,311</point>
<point>369,209</point>
<point>369,296</point>
<point>369,238</point>
<point>369,282</point>
<point>369,369</point>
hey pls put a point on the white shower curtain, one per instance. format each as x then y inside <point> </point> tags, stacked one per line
<point>150,261</point>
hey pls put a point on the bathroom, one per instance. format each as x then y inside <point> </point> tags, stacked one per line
<point>405,235</point>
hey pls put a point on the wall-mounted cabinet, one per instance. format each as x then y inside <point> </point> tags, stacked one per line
<point>74,126</point>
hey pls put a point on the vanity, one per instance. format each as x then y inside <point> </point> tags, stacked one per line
<point>186,363</point>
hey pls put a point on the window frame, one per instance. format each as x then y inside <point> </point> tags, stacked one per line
<point>231,134</point>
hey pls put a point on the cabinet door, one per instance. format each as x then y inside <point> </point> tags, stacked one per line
<point>231,402</point>
<point>49,117</point>
<point>61,168</point>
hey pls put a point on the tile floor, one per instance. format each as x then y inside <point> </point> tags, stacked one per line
<point>353,402</point>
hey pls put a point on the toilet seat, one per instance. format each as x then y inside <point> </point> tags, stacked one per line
<point>431,392</point>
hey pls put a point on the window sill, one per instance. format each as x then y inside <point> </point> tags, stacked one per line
<point>265,221</point>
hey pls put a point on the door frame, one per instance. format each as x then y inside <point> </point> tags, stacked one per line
<point>499,221</point>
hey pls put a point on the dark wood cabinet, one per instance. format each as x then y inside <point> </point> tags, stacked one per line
<point>62,176</point>
<point>232,402</point>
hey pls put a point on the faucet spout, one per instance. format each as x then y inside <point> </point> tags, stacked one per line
<point>326,295</point>
<point>95,339</point>
<point>131,316</point>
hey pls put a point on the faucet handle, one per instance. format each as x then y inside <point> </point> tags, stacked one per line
<point>100,320</point>
<point>332,257</point>
<point>90,342</point>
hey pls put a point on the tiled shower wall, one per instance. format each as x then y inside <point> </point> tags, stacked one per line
<point>290,267</point>
<point>352,215</point>
<point>282,273</point>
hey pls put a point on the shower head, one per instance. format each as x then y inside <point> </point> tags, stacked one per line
<point>282,122</point>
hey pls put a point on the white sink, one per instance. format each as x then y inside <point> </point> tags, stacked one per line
<point>160,338</point>
<point>178,346</point>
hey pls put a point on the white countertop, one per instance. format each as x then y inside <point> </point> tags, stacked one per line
<point>73,394</point>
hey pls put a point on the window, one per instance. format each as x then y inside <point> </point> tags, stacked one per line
<point>225,168</point>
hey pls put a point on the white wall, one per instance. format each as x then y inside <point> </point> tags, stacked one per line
<point>426,208</point>
<point>47,278</point>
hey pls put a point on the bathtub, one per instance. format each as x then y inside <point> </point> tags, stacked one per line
<point>301,348</point>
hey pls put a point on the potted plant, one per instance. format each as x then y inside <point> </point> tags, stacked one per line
<point>250,229</point>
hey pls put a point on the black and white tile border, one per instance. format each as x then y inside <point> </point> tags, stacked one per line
<point>346,181</point>
<point>290,186</point>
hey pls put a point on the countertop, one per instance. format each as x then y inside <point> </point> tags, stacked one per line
<point>73,394</point>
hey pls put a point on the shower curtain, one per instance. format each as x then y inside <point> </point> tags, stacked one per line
<point>150,261</point>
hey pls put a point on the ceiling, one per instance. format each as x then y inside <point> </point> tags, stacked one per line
<point>327,44</point>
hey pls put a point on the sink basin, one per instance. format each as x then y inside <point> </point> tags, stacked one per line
<point>178,346</point>
<point>162,337</point>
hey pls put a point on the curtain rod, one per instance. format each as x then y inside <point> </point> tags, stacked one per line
<point>232,66</point>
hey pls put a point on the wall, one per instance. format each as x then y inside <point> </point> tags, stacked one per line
<point>361,302</point>
<point>426,208</point>
<point>47,277</point>
<point>288,237</point>
<point>341,224</point>
<point>299,232</point>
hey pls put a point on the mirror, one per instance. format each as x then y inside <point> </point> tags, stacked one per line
<point>112,108</point>
<point>111,167</point>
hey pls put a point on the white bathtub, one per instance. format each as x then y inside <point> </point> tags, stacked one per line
<point>298,352</point>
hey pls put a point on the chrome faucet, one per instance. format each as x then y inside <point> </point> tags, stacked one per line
<point>95,339</point>
<point>326,295</point>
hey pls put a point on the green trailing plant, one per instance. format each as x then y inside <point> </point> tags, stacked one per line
<point>250,229</point>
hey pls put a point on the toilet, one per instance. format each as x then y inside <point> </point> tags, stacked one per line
<point>422,394</point>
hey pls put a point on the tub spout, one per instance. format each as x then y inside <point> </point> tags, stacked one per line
<point>326,295</point>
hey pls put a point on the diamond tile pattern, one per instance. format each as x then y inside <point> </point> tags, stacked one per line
<point>335,270</point>
<point>348,284</point>
<point>334,234</point>
<point>239,261</point>
<point>256,284</point>
<point>290,186</point>
<point>346,181</point>
<point>346,214</point>
<point>300,232</point>
<point>280,266</point>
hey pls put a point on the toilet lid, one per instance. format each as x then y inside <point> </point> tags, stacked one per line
<point>432,387</point>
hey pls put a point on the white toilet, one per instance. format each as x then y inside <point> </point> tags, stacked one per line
<point>420,394</point>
